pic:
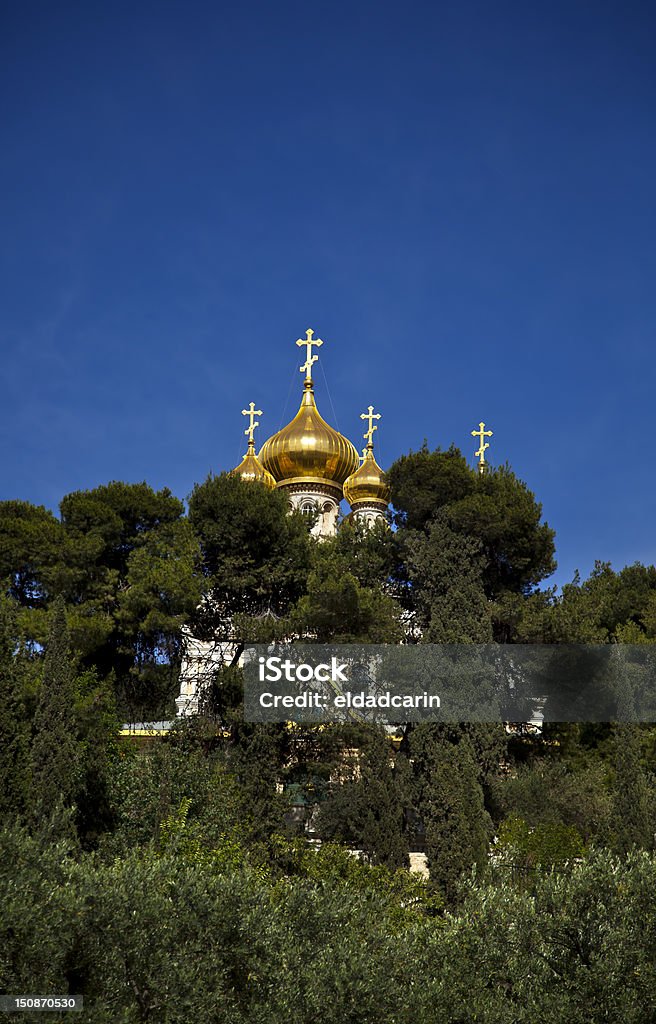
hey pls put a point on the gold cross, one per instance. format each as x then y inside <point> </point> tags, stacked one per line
<point>252,412</point>
<point>309,341</point>
<point>370,416</point>
<point>481,433</point>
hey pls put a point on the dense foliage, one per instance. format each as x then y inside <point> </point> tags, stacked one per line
<point>180,879</point>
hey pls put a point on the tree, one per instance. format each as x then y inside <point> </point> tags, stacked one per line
<point>552,792</point>
<point>126,562</point>
<point>255,758</point>
<point>54,756</point>
<point>503,513</point>
<point>424,482</point>
<point>369,553</point>
<point>445,571</point>
<point>160,593</point>
<point>368,810</point>
<point>545,845</point>
<point>119,516</point>
<point>450,806</point>
<point>31,541</point>
<point>133,560</point>
<point>338,609</point>
<point>578,947</point>
<point>255,554</point>
<point>608,605</point>
<point>634,805</point>
<point>38,911</point>
<point>494,508</point>
<point>347,598</point>
<point>14,721</point>
<point>97,754</point>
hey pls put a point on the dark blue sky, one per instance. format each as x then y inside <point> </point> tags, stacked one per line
<point>460,199</point>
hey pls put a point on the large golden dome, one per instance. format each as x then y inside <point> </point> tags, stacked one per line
<point>368,484</point>
<point>308,450</point>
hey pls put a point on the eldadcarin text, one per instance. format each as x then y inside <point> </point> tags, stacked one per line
<point>357,700</point>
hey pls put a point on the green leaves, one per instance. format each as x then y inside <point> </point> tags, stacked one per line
<point>607,606</point>
<point>127,564</point>
<point>16,672</point>
<point>161,591</point>
<point>446,570</point>
<point>31,546</point>
<point>543,845</point>
<point>503,514</point>
<point>55,755</point>
<point>485,530</point>
<point>368,803</point>
<point>450,805</point>
<point>337,609</point>
<point>255,554</point>
<point>175,935</point>
<point>346,600</point>
<point>424,482</point>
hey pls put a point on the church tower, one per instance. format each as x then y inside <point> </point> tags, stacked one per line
<point>316,467</point>
<point>250,468</point>
<point>308,459</point>
<point>366,490</point>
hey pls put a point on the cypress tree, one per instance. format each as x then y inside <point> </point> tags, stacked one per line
<point>450,806</point>
<point>369,811</point>
<point>14,725</point>
<point>633,805</point>
<point>54,747</point>
<point>256,761</point>
<point>384,785</point>
<point>633,810</point>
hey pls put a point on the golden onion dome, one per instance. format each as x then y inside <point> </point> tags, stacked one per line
<point>308,450</point>
<point>368,483</point>
<point>251,469</point>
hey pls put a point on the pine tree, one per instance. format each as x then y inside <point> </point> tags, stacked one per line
<point>54,756</point>
<point>446,573</point>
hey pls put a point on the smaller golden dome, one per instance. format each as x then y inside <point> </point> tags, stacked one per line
<point>368,484</point>
<point>251,469</point>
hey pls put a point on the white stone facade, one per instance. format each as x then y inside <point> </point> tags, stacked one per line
<point>317,499</point>
<point>370,513</point>
<point>200,661</point>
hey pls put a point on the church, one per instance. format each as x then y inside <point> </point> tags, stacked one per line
<point>317,468</point>
<point>314,464</point>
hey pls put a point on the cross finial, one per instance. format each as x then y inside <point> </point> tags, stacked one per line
<point>251,412</point>
<point>483,445</point>
<point>309,341</point>
<point>370,416</point>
